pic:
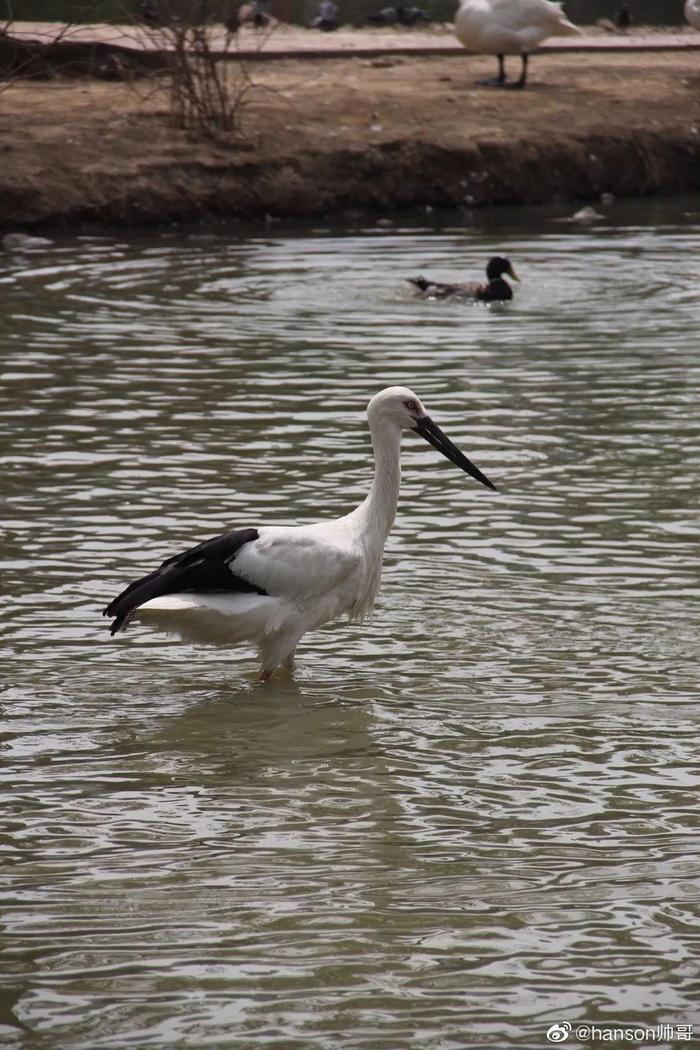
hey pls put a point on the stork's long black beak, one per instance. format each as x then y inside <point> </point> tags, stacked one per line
<point>435,437</point>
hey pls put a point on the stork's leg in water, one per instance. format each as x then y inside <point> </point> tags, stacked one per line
<point>286,663</point>
<point>289,663</point>
<point>498,81</point>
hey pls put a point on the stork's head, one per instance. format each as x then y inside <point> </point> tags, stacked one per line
<point>399,408</point>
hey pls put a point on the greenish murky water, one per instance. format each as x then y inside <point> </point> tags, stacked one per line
<point>471,819</point>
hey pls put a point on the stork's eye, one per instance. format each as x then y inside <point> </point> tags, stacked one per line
<point>411,405</point>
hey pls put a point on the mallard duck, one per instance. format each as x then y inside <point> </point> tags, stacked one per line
<point>510,27</point>
<point>692,13</point>
<point>495,291</point>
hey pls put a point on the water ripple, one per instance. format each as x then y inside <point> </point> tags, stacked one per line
<point>474,816</point>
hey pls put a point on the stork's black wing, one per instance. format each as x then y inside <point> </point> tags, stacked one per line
<point>206,567</point>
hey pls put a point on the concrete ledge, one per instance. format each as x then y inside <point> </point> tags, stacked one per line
<point>291,42</point>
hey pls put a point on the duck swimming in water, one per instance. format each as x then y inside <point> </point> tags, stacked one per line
<point>495,291</point>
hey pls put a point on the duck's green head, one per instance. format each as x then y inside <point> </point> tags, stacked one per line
<point>498,266</point>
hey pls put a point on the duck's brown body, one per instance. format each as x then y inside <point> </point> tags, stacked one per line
<point>495,290</point>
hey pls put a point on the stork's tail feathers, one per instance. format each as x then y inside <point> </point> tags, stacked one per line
<point>121,623</point>
<point>123,606</point>
<point>205,568</point>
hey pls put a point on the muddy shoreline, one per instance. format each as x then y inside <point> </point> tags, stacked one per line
<point>353,136</point>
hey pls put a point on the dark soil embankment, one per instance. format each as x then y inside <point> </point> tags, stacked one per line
<point>34,60</point>
<point>324,138</point>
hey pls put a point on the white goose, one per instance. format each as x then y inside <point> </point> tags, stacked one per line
<point>692,13</point>
<point>510,27</point>
<point>270,585</point>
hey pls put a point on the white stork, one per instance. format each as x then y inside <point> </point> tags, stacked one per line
<point>270,585</point>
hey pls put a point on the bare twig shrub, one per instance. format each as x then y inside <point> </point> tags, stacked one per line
<point>208,82</point>
<point>23,58</point>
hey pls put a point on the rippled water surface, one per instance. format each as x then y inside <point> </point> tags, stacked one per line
<point>468,820</point>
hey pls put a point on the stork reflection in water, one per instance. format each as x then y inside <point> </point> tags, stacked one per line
<point>270,584</point>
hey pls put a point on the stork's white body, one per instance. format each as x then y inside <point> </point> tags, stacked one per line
<point>692,13</point>
<point>509,27</point>
<point>271,585</point>
<point>312,574</point>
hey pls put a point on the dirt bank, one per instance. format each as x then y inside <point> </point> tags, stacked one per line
<point>348,135</point>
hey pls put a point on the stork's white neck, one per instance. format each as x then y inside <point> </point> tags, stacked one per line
<point>378,511</point>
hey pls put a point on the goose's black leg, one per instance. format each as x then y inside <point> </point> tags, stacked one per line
<point>523,74</point>
<point>498,81</point>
